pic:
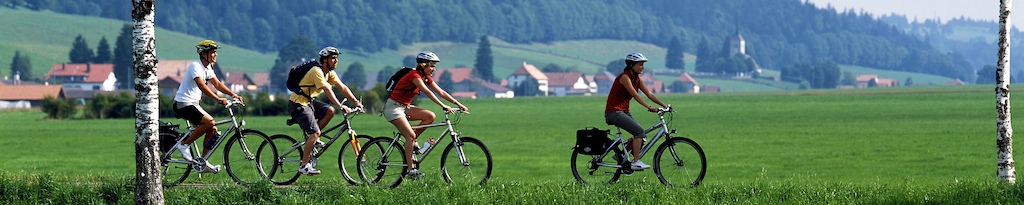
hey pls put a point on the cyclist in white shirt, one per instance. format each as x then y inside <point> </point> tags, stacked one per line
<point>186,103</point>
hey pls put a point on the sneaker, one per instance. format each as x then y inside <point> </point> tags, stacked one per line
<point>185,151</point>
<point>413,174</point>
<point>638,165</point>
<point>205,167</point>
<point>308,170</point>
<point>319,144</point>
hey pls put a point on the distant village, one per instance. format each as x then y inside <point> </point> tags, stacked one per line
<point>81,81</point>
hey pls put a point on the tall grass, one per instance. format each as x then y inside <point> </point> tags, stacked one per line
<point>909,145</point>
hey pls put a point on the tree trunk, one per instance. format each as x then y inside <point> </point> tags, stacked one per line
<point>1004,130</point>
<point>148,186</point>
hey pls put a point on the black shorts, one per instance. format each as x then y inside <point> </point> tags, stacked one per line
<point>191,112</point>
<point>307,116</point>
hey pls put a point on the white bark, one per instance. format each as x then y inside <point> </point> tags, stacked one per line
<point>148,186</point>
<point>1004,130</point>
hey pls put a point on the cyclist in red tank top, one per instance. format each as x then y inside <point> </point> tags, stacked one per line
<point>399,109</point>
<point>616,111</point>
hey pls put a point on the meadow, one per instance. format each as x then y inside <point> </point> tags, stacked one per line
<point>905,145</point>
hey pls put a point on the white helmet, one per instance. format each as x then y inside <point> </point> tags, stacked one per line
<point>328,51</point>
<point>635,57</point>
<point>427,56</point>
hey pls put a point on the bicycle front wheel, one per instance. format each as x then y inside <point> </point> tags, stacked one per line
<point>381,164</point>
<point>595,169</point>
<point>241,160</point>
<point>680,162</point>
<point>175,170</point>
<point>284,168</point>
<point>348,155</point>
<point>466,163</point>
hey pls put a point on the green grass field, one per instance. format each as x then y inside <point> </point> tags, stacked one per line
<point>917,142</point>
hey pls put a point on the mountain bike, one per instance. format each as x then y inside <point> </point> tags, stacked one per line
<point>286,164</point>
<point>464,161</point>
<point>677,161</point>
<point>240,162</point>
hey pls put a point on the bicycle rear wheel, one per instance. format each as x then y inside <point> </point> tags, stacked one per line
<point>680,162</point>
<point>174,170</point>
<point>284,168</point>
<point>381,164</point>
<point>348,155</point>
<point>241,159</point>
<point>596,169</point>
<point>476,168</point>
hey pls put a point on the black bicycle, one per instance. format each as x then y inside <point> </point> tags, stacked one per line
<point>677,161</point>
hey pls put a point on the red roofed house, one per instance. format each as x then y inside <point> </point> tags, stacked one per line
<point>239,81</point>
<point>261,80</point>
<point>169,74</point>
<point>91,77</point>
<point>685,83</point>
<point>571,83</point>
<point>529,72</point>
<point>464,85</point>
<point>864,80</point>
<point>27,96</point>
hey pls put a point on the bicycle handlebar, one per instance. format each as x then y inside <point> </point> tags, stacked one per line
<point>234,101</point>
<point>668,108</point>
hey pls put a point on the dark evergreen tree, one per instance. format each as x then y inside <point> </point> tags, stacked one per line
<point>409,61</point>
<point>385,74</point>
<point>484,60</point>
<point>445,81</point>
<point>22,66</point>
<point>355,76</point>
<point>102,52</point>
<point>705,56</point>
<point>616,66</point>
<point>674,55</point>
<point>80,52</point>
<point>987,75</point>
<point>123,59</point>
<point>298,49</point>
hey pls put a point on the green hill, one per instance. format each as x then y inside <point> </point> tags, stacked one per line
<point>46,38</point>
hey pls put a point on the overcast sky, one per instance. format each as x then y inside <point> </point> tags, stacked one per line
<point>930,9</point>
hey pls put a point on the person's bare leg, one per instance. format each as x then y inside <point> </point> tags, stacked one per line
<point>410,139</point>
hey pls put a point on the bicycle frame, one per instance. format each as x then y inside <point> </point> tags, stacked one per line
<point>449,130</point>
<point>235,129</point>
<point>661,126</point>
<point>344,127</point>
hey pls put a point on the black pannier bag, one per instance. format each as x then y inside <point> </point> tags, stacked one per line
<point>592,141</point>
<point>167,141</point>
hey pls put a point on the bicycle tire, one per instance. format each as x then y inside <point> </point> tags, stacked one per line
<point>347,157</point>
<point>377,166</point>
<point>285,166</point>
<point>241,159</point>
<point>685,163</point>
<point>476,154</point>
<point>173,173</point>
<point>586,168</point>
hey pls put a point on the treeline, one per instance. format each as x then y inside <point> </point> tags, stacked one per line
<point>778,32</point>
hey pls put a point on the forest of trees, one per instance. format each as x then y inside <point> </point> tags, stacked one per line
<point>779,32</point>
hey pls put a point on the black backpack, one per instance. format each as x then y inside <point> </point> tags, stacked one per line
<point>295,74</point>
<point>393,81</point>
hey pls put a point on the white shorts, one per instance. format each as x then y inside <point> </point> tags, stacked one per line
<point>394,110</point>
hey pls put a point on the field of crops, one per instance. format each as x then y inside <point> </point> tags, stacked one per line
<point>921,141</point>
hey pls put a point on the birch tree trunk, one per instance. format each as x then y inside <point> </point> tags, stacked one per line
<point>1004,132</point>
<point>148,186</point>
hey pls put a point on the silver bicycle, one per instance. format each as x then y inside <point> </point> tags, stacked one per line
<point>286,166</point>
<point>240,159</point>
<point>677,161</point>
<point>464,161</point>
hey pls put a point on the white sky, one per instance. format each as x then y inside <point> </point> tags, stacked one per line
<point>930,9</point>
